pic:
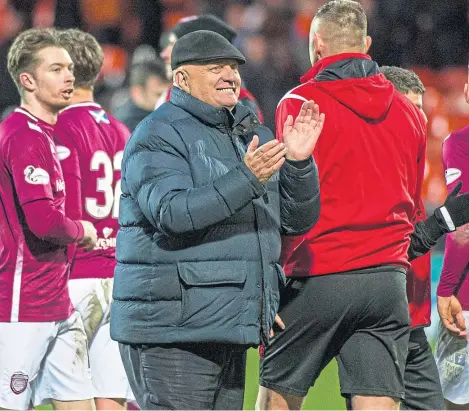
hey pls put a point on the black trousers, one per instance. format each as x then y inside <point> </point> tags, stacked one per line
<point>186,376</point>
<point>421,379</point>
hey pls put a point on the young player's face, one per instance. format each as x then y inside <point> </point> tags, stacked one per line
<point>417,99</point>
<point>53,78</point>
<point>216,83</point>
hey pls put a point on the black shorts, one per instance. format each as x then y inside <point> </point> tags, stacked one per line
<point>422,382</point>
<point>359,317</point>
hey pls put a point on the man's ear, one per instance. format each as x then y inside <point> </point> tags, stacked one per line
<point>316,47</point>
<point>180,79</point>
<point>27,81</point>
<point>367,43</point>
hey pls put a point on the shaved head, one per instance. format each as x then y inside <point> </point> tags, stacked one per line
<point>340,26</point>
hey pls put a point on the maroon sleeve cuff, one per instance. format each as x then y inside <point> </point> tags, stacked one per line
<point>81,231</point>
<point>445,290</point>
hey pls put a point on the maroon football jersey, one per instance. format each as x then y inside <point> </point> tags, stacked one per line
<point>33,271</point>
<point>454,278</point>
<point>90,145</point>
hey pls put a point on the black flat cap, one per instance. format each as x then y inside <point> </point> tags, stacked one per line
<point>205,22</point>
<point>203,46</point>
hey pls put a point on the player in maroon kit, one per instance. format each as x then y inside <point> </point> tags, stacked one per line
<point>206,22</point>
<point>90,143</point>
<point>452,348</point>
<point>43,346</point>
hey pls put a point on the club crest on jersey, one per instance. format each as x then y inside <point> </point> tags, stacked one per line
<point>100,116</point>
<point>19,382</point>
<point>452,174</point>
<point>36,176</point>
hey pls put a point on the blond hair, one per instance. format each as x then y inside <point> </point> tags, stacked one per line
<point>22,55</point>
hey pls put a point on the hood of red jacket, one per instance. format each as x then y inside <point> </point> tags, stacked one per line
<point>354,80</point>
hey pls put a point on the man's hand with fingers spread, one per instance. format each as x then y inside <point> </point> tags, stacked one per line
<point>266,160</point>
<point>451,314</point>
<point>300,136</point>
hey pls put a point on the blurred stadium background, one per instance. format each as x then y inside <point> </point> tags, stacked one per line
<point>429,36</point>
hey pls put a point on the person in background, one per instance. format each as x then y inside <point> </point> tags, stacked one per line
<point>90,145</point>
<point>43,345</point>
<point>147,83</point>
<point>452,349</point>
<point>421,379</point>
<point>204,22</point>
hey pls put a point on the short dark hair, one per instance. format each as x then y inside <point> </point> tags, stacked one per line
<point>87,56</point>
<point>139,72</point>
<point>345,24</point>
<point>22,55</point>
<point>405,81</point>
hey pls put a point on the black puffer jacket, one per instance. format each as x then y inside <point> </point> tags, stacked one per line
<point>200,236</point>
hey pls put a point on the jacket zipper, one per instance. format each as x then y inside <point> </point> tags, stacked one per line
<point>263,339</point>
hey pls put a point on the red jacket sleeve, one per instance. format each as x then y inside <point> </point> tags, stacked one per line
<point>70,162</point>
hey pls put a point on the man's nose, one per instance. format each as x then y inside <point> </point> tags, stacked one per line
<point>70,77</point>
<point>228,74</point>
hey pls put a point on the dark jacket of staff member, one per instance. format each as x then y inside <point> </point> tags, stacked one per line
<point>206,193</point>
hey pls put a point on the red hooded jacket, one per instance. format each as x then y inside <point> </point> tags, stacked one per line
<point>371,158</point>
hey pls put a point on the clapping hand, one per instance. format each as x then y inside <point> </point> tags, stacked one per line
<point>300,136</point>
<point>266,160</point>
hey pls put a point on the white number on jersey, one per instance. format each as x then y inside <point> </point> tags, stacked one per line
<point>105,185</point>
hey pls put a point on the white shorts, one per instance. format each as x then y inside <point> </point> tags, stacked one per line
<point>452,359</point>
<point>43,361</point>
<point>92,298</point>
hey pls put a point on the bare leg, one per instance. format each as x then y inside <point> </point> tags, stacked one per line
<point>85,405</point>
<point>268,399</point>
<point>110,404</point>
<point>369,402</point>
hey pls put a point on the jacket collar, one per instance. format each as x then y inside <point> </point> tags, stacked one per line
<point>327,61</point>
<point>214,116</point>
